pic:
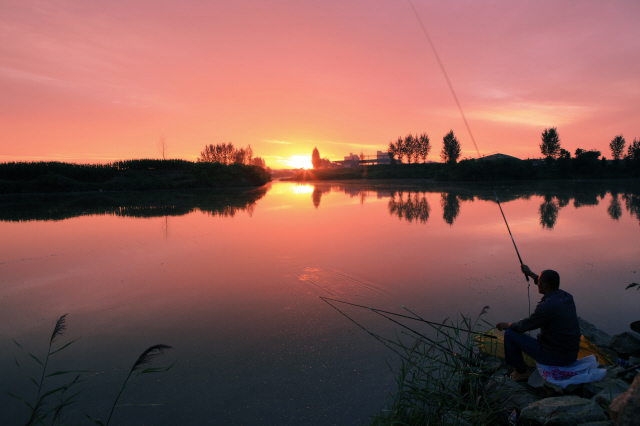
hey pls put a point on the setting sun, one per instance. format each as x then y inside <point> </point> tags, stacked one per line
<point>300,162</point>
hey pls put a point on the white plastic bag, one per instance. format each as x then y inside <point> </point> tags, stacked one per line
<point>584,370</point>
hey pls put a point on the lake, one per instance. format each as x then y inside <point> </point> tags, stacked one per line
<point>232,281</point>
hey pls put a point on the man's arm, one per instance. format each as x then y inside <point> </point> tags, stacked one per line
<point>527,272</point>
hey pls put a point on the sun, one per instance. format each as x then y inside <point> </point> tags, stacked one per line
<point>300,162</point>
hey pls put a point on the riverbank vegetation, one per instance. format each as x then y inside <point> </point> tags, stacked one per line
<point>142,174</point>
<point>586,165</point>
<point>442,381</point>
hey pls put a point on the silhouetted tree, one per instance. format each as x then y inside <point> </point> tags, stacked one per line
<point>401,149</point>
<point>162,147</point>
<point>259,161</point>
<point>325,163</point>
<point>425,146</point>
<point>315,159</point>
<point>617,147</point>
<point>450,207</point>
<point>564,153</point>
<point>633,152</point>
<point>550,145</point>
<point>450,148</point>
<point>549,212</point>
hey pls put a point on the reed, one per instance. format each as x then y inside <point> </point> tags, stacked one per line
<point>51,404</point>
<point>441,382</point>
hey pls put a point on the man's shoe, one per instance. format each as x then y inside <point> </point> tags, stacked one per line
<point>520,377</point>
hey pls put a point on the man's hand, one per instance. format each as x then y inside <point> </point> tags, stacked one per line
<point>503,325</point>
<point>529,273</point>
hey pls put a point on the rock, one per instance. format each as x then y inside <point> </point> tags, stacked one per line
<point>606,397</point>
<point>625,409</point>
<point>626,344</point>
<point>505,392</point>
<point>635,326</point>
<point>634,360</point>
<point>610,382</point>
<point>568,410</point>
<point>493,362</point>
<point>594,334</point>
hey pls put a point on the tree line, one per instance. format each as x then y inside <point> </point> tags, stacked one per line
<point>418,146</point>
<point>226,153</point>
<point>551,148</point>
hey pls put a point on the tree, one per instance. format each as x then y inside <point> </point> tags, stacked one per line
<point>425,146</point>
<point>258,161</point>
<point>564,153</point>
<point>617,147</point>
<point>162,147</point>
<point>450,148</point>
<point>410,146</point>
<point>401,149</point>
<point>226,153</point>
<point>633,152</point>
<point>361,156</point>
<point>315,159</point>
<point>391,152</point>
<point>550,145</point>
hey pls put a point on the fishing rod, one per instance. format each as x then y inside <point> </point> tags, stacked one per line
<point>422,337</point>
<point>464,119</point>
<point>431,323</point>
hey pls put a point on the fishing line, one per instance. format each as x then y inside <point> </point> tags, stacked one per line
<point>375,336</point>
<point>432,323</point>
<point>464,118</point>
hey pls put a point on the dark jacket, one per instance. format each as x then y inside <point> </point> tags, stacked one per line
<point>556,318</point>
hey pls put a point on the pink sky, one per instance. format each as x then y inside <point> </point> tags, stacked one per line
<point>96,81</point>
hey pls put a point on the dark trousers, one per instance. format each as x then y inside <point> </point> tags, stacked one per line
<point>517,343</point>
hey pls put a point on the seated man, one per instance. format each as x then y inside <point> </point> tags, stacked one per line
<point>558,342</point>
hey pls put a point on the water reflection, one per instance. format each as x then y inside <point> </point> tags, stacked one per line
<point>412,207</point>
<point>141,204</point>
<point>632,203</point>
<point>614,209</point>
<point>450,207</point>
<point>549,212</point>
<point>410,203</point>
<point>316,195</point>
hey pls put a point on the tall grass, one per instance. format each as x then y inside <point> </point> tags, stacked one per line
<point>50,405</point>
<point>441,382</point>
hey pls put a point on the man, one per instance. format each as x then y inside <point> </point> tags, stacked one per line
<point>558,342</point>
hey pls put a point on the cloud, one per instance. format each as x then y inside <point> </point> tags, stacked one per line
<point>533,114</point>
<point>277,142</point>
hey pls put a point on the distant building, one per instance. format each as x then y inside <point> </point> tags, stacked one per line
<point>353,160</point>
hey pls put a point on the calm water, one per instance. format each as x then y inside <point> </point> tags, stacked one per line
<point>232,281</point>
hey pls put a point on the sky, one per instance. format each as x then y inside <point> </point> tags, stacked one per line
<point>98,81</point>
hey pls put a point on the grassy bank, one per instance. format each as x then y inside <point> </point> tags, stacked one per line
<point>441,381</point>
<point>49,177</point>
<point>483,170</point>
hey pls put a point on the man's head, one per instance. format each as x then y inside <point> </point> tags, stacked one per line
<point>548,281</point>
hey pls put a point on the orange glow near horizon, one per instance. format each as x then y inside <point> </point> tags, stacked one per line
<point>287,76</point>
<point>300,162</point>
